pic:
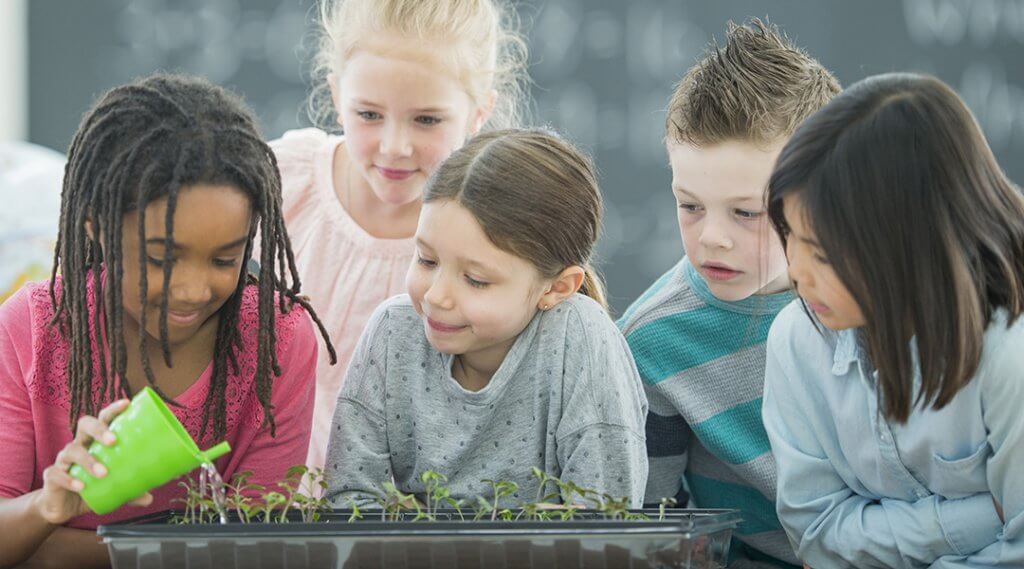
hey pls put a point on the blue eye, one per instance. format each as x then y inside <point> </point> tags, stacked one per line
<point>368,115</point>
<point>428,120</point>
<point>689,208</point>
<point>744,214</point>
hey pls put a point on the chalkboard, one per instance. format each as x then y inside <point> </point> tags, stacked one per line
<point>603,71</point>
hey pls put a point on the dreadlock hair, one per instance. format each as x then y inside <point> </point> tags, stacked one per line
<point>144,142</point>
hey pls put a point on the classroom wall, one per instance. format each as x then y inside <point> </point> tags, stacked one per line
<point>603,72</point>
<point>13,70</point>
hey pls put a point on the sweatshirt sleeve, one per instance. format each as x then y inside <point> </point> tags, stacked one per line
<point>600,440</point>
<point>358,455</point>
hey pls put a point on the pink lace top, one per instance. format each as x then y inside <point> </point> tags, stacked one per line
<point>35,402</point>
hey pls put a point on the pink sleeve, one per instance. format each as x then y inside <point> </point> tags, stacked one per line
<point>295,152</point>
<point>268,458</point>
<point>17,431</point>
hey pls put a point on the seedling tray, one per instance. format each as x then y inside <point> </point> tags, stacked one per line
<point>682,539</point>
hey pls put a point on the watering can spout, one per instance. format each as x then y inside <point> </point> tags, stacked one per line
<point>216,451</point>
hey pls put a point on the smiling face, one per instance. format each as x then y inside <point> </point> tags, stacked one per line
<point>474,298</point>
<point>812,275</point>
<point>719,191</point>
<point>211,227</point>
<point>403,113</point>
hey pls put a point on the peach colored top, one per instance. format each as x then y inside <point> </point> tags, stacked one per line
<point>345,271</point>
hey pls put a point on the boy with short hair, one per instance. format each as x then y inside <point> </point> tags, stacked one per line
<point>698,333</point>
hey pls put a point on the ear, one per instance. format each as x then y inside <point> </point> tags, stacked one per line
<point>483,113</point>
<point>565,285</point>
<point>89,231</point>
<point>332,84</point>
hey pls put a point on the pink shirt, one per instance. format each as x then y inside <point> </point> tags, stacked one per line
<point>345,271</point>
<point>35,402</point>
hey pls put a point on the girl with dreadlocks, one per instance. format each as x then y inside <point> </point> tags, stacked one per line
<point>166,187</point>
<point>407,82</point>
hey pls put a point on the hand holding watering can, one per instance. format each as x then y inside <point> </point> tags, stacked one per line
<point>144,448</point>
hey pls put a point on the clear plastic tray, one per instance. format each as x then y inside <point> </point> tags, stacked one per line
<point>683,539</point>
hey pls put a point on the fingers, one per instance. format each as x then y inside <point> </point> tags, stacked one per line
<point>75,453</point>
<point>143,501</point>
<point>57,475</point>
<point>113,410</point>
<point>93,428</point>
<point>90,429</point>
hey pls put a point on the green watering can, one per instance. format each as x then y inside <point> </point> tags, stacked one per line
<point>152,448</point>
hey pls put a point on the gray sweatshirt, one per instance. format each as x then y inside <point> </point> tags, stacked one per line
<point>566,399</point>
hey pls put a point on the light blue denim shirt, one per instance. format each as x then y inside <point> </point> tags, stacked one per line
<point>856,490</point>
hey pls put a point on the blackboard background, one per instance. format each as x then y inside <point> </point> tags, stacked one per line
<point>602,69</point>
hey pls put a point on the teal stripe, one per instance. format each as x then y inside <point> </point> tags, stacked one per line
<point>651,291</point>
<point>666,346</point>
<point>757,511</point>
<point>735,435</point>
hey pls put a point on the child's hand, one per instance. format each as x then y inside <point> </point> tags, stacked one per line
<point>59,501</point>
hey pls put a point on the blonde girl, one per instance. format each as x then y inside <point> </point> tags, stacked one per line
<point>406,82</point>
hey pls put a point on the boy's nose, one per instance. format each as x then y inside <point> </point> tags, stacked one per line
<point>712,236</point>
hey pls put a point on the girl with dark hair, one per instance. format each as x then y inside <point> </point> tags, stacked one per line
<point>893,392</point>
<point>167,184</point>
<point>502,356</point>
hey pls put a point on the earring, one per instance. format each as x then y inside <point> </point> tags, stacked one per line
<point>544,307</point>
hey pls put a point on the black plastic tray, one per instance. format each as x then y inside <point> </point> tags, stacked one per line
<point>683,539</point>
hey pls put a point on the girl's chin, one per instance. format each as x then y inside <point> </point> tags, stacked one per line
<point>399,195</point>
<point>445,347</point>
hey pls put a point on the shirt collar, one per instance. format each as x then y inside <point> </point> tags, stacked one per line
<point>847,351</point>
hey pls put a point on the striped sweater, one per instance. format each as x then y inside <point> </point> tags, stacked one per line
<point>702,362</point>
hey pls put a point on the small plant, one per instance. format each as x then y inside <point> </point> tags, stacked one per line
<point>666,502</point>
<point>501,489</point>
<point>238,500</point>
<point>356,514</point>
<point>304,490</point>
<point>394,502</point>
<point>437,493</point>
<point>271,501</point>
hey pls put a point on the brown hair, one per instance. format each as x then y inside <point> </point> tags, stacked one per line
<point>535,196</point>
<point>919,223</point>
<point>757,88</point>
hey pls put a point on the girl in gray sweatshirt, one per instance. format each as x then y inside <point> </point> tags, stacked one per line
<point>502,356</point>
